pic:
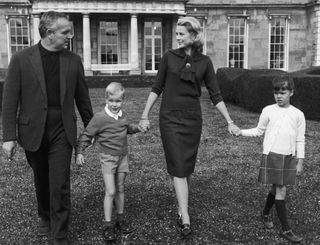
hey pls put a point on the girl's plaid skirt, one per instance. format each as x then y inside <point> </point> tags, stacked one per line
<point>277,169</point>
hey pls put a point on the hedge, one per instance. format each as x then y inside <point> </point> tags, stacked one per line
<point>252,89</point>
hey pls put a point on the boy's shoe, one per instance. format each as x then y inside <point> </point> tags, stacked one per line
<point>43,227</point>
<point>185,230</point>
<point>290,236</point>
<point>179,221</point>
<point>267,220</point>
<point>124,227</point>
<point>109,233</point>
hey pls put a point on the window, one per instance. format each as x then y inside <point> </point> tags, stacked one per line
<point>109,34</point>
<point>278,39</point>
<point>153,45</point>
<point>237,42</point>
<point>18,33</point>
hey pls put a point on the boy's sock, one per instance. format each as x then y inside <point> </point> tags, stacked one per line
<point>120,217</point>
<point>282,214</point>
<point>108,223</point>
<point>269,203</point>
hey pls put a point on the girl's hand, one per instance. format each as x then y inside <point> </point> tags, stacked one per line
<point>144,124</point>
<point>80,160</point>
<point>299,166</point>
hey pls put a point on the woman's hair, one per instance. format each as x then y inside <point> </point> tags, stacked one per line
<point>193,26</point>
<point>114,88</point>
<point>283,82</point>
<point>48,20</point>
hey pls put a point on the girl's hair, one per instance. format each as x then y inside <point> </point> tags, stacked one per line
<point>283,82</point>
<point>114,88</point>
<point>193,26</point>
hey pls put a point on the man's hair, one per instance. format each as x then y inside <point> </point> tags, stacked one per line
<point>48,20</point>
<point>283,82</point>
<point>193,26</point>
<point>114,88</point>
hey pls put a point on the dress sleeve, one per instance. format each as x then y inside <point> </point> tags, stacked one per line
<point>211,83</point>
<point>158,86</point>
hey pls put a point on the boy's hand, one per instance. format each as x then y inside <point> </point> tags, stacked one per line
<point>141,129</point>
<point>79,160</point>
<point>299,166</point>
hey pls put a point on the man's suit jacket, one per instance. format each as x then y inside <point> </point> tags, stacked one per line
<point>24,108</point>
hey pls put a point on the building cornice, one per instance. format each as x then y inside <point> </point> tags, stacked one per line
<point>233,6</point>
<point>96,6</point>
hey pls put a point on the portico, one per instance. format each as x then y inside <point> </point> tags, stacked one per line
<point>112,37</point>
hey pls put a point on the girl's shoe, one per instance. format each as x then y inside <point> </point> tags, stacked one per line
<point>185,230</point>
<point>290,236</point>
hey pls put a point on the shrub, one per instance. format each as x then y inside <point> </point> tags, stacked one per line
<point>227,79</point>
<point>252,89</point>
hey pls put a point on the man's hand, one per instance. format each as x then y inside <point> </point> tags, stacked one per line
<point>79,160</point>
<point>9,148</point>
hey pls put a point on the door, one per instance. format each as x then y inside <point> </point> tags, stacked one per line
<point>153,45</point>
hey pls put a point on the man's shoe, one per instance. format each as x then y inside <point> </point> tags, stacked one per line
<point>290,236</point>
<point>185,230</point>
<point>267,220</point>
<point>43,227</point>
<point>179,221</point>
<point>109,233</point>
<point>60,241</point>
<point>123,227</point>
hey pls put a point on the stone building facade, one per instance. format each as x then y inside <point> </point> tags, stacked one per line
<point>129,37</point>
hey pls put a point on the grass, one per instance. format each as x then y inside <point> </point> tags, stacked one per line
<point>225,198</point>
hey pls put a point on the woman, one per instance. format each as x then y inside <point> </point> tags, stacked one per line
<point>179,78</point>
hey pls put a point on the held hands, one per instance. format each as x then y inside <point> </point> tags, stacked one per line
<point>234,129</point>
<point>9,149</point>
<point>79,160</point>
<point>299,166</point>
<point>144,125</point>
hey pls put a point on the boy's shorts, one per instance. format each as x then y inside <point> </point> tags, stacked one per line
<point>113,164</point>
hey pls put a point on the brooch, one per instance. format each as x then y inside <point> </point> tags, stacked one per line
<point>188,65</point>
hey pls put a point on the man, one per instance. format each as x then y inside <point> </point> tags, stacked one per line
<point>42,84</point>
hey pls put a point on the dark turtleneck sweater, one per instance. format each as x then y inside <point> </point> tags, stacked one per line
<point>51,68</point>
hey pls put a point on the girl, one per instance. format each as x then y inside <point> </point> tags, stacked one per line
<point>283,151</point>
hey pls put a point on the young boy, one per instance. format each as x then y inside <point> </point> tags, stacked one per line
<point>109,128</point>
<point>284,127</point>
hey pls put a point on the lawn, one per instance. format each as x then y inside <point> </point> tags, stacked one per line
<point>225,198</point>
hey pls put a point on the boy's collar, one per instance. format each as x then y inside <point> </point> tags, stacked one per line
<point>111,114</point>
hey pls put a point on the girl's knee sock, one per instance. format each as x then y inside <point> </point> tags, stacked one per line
<point>269,203</point>
<point>282,214</point>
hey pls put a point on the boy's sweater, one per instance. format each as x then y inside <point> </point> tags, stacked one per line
<point>109,133</point>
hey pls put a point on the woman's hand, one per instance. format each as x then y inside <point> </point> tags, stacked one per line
<point>144,124</point>
<point>234,129</point>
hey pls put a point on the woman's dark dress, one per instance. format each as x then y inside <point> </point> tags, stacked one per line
<point>179,79</point>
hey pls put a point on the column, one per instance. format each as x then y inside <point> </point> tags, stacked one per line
<point>36,34</point>
<point>174,26</point>
<point>86,44</point>
<point>134,56</point>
